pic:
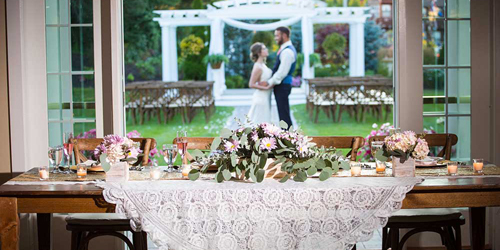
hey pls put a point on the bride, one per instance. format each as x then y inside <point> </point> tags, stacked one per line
<point>260,111</point>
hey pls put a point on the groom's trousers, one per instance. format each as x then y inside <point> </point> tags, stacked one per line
<point>281,93</point>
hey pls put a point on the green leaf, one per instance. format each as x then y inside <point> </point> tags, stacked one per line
<point>194,174</point>
<point>380,156</point>
<point>285,178</point>
<point>104,163</point>
<point>247,130</point>
<point>345,165</point>
<point>257,145</point>
<point>244,140</point>
<point>325,174</point>
<point>281,144</point>
<point>225,133</point>
<point>300,176</point>
<point>339,153</point>
<point>238,171</point>
<point>255,158</point>
<point>226,174</point>
<point>252,176</point>
<point>283,124</point>
<point>335,166</point>
<point>260,175</point>
<point>320,164</point>
<point>262,161</point>
<point>234,159</point>
<point>245,163</point>
<point>215,143</point>
<point>219,177</point>
<point>197,153</point>
<point>299,165</point>
<point>311,171</point>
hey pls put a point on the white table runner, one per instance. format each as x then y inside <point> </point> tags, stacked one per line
<point>333,214</point>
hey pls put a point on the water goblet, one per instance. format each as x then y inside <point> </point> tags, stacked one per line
<point>169,155</point>
<point>55,158</point>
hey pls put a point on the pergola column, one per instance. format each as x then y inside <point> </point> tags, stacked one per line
<point>169,53</point>
<point>356,49</point>
<point>217,47</point>
<point>307,47</point>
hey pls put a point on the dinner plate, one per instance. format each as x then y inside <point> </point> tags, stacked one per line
<point>430,162</point>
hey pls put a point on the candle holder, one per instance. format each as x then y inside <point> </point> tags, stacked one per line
<point>44,173</point>
<point>81,171</point>
<point>155,173</point>
<point>478,166</point>
<point>185,170</point>
<point>452,168</point>
<point>380,167</point>
<point>355,169</point>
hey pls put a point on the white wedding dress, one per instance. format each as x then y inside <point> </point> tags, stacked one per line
<point>260,111</point>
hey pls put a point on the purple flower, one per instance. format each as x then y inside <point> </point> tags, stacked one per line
<point>231,146</point>
<point>133,134</point>
<point>268,144</point>
<point>255,136</point>
<point>153,153</point>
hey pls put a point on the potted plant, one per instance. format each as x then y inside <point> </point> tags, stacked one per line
<point>215,60</point>
<point>404,148</point>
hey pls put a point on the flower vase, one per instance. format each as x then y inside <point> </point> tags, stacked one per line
<point>403,169</point>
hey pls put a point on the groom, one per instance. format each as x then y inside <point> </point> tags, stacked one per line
<point>282,73</point>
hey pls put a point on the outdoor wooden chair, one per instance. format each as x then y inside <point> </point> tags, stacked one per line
<point>81,145</point>
<point>447,141</point>
<point>441,221</point>
<point>354,143</point>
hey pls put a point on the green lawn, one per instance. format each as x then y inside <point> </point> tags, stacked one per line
<point>165,133</point>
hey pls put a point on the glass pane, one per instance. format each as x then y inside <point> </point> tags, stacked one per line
<point>433,42</point>
<point>433,9</point>
<point>458,8</point>
<point>82,48</point>
<point>460,126</point>
<point>434,91</point>
<point>459,91</point>
<point>84,129</point>
<point>54,96</point>
<point>55,134</point>
<point>81,11</point>
<point>459,43</point>
<point>83,96</point>
<point>56,12</point>
<point>57,49</point>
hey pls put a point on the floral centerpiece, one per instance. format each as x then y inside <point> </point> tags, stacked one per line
<point>404,148</point>
<point>117,148</point>
<point>246,150</point>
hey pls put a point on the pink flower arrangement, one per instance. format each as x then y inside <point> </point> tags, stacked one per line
<point>117,148</point>
<point>405,145</point>
<point>421,150</point>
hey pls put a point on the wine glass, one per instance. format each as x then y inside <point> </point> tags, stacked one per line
<point>182,143</point>
<point>375,147</point>
<point>55,158</point>
<point>68,150</point>
<point>169,155</point>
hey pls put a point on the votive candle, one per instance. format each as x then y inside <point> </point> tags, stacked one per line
<point>452,168</point>
<point>478,166</point>
<point>155,174</point>
<point>186,170</point>
<point>355,169</point>
<point>380,167</point>
<point>44,173</point>
<point>81,171</point>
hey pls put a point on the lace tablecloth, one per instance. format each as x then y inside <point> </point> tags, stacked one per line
<point>333,214</point>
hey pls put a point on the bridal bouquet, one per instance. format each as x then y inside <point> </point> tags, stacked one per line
<point>405,145</point>
<point>117,148</point>
<point>245,152</point>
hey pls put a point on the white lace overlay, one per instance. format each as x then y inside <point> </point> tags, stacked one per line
<point>333,214</point>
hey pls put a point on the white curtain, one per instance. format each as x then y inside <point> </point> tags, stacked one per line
<point>261,27</point>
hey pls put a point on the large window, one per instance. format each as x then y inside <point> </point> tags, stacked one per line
<point>70,68</point>
<point>447,70</point>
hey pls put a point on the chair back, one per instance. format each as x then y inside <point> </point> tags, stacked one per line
<point>447,141</point>
<point>201,143</point>
<point>343,142</point>
<point>89,144</point>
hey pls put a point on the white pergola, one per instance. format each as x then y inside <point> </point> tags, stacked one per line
<point>230,12</point>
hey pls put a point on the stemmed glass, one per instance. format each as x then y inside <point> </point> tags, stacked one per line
<point>182,143</point>
<point>169,155</point>
<point>55,158</point>
<point>68,150</point>
<point>375,147</point>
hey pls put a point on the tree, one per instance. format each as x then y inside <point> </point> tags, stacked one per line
<point>375,39</point>
<point>265,37</point>
<point>322,32</point>
<point>334,46</point>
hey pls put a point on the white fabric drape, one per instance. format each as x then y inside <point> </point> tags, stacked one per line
<point>261,27</point>
<point>333,214</point>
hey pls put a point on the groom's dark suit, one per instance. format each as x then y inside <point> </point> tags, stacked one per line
<point>282,90</point>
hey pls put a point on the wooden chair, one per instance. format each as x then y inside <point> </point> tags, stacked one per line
<point>441,221</point>
<point>80,145</point>
<point>344,142</point>
<point>447,141</point>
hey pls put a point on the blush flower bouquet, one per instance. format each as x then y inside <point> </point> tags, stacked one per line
<point>405,145</point>
<point>117,148</point>
<point>245,152</point>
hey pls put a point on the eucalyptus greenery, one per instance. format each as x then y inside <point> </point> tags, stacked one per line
<point>245,152</point>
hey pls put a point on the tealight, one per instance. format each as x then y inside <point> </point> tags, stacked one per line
<point>452,168</point>
<point>355,169</point>
<point>81,171</point>
<point>380,167</point>
<point>478,166</point>
<point>43,172</point>
<point>185,170</point>
<point>155,174</point>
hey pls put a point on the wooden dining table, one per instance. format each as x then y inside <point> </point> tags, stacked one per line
<point>476,193</point>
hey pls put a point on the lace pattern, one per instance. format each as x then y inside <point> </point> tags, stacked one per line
<point>334,214</point>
